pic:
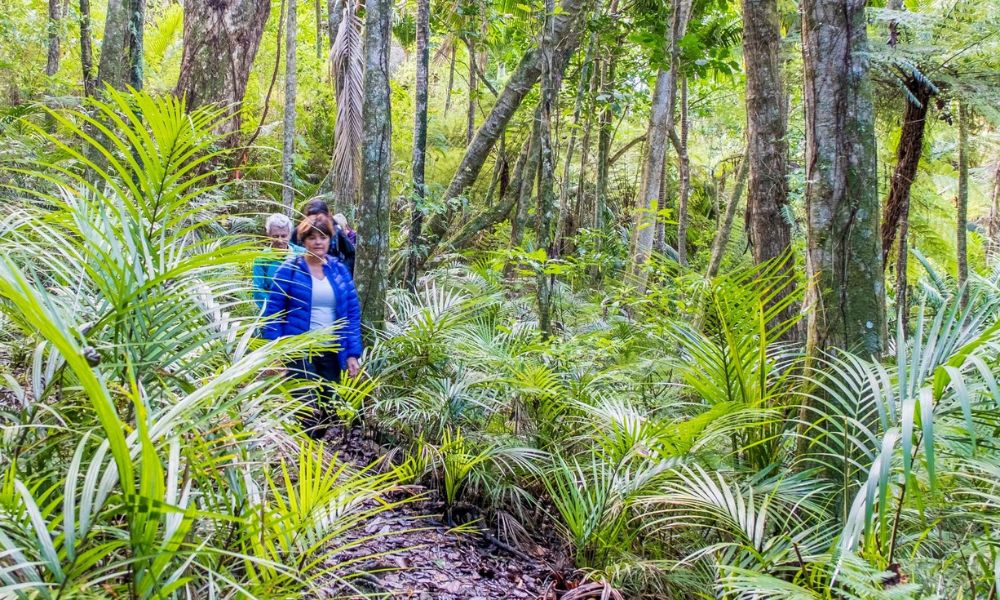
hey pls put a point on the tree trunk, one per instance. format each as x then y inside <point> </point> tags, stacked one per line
<point>961,233</point>
<point>319,30</point>
<point>545,217</point>
<point>767,124</point>
<point>660,125</point>
<point>121,48</point>
<point>221,39</point>
<point>86,50</point>
<point>470,113</point>
<point>911,142</point>
<point>768,229</point>
<point>526,187</point>
<point>376,160</point>
<point>993,227</point>
<point>291,83</point>
<point>564,208</point>
<point>488,218</point>
<point>684,168</point>
<point>419,141</point>
<point>55,22</point>
<point>582,208</point>
<point>844,248</point>
<point>451,77</point>
<point>564,37</point>
<point>604,133</point>
<point>726,227</point>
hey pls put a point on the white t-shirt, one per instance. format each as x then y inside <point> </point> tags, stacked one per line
<point>323,300</point>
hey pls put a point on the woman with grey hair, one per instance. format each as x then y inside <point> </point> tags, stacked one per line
<point>278,229</point>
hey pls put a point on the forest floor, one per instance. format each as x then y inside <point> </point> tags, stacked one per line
<point>410,552</point>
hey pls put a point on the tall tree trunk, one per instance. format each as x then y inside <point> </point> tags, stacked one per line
<point>121,48</point>
<point>221,39</point>
<point>767,124</point>
<point>844,248</point>
<point>470,113</point>
<point>684,168</point>
<point>86,50</point>
<point>565,37</point>
<point>660,125</point>
<point>961,233</point>
<point>451,77</point>
<point>55,22</point>
<point>726,227</point>
<point>564,208</point>
<point>419,141</point>
<point>582,207</point>
<point>526,187</point>
<point>319,30</point>
<point>902,260</point>
<point>545,217</point>
<point>604,134</point>
<point>376,160</point>
<point>291,83</point>
<point>911,142</point>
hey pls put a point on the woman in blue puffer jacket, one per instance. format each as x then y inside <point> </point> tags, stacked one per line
<point>311,292</point>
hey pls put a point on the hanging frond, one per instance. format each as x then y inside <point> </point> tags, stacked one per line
<point>347,70</point>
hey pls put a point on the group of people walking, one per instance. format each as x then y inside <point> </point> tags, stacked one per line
<point>304,282</point>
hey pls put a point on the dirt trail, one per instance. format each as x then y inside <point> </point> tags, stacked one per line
<point>417,556</point>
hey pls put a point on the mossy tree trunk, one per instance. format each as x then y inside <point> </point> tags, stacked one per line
<point>121,48</point>
<point>844,255</point>
<point>86,50</point>
<point>768,227</point>
<point>373,217</point>
<point>961,231</point>
<point>419,141</point>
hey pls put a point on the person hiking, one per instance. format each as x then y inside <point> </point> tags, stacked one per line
<point>340,246</point>
<point>278,229</point>
<point>312,292</point>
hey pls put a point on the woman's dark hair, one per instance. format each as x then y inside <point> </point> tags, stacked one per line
<point>312,225</point>
<point>316,207</point>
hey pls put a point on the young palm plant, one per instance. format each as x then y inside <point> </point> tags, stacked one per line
<point>140,464</point>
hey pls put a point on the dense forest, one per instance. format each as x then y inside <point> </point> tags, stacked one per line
<point>676,299</point>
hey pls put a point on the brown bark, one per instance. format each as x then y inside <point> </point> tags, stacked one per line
<point>498,212</point>
<point>767,226</point>
<point>545,217</point>
<point>911,143</point>
<point>221,39</point>
<point>55,22</point>
<point>844,247</point>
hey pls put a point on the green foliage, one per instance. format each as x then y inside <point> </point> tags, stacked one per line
<point>134,463</point>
